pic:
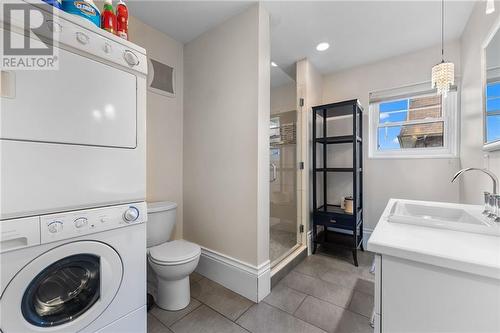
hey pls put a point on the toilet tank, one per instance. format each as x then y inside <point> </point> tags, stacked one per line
<point>161,222</point>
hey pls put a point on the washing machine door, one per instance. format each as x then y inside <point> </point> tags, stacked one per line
<point>63,290</point>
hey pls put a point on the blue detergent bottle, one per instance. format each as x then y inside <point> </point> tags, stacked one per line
<point>55,3</point>
<point>83,8</point>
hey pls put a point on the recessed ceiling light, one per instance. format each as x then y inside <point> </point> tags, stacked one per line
<point>274,64</point>
<point>490,7</point>
<point>322,46</point>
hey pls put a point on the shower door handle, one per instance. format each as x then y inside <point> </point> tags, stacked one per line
<point>274,173</point>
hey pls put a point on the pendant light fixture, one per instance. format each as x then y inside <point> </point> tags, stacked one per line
<point>443,74</point>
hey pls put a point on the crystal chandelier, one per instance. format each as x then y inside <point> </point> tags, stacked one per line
<point>443,74</point>
<point>443,77</point>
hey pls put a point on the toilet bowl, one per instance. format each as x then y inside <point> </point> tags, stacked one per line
<point>171,261</point>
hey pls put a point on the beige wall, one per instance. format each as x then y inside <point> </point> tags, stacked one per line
<point>263,118</point>
<point>164,121</point>
<point>420,179</point>
<point>283,98</point>
<point>226,141</point>
<point>471,153</point>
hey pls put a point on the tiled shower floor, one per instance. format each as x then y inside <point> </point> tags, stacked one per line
<point>322,294</point>
<point>280,242</point>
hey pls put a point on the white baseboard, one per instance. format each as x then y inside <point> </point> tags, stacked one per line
<point>245,279</point>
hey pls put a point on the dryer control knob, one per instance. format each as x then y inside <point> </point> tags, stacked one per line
<point>82,38</point>
<point>107,48</point>
<point>131,214</point>
<point>81,222</point>
<point>130,58</point>
<point>55,227</point>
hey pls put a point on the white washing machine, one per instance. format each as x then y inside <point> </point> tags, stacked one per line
<point>78,271</point>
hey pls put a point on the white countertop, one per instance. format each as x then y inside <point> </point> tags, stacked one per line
<point>463,251</point>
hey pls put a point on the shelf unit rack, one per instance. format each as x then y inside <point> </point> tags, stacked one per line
<point>340,229</point>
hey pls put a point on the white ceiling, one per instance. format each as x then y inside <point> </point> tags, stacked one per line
<point>185,20</point>
<point>359,32</point>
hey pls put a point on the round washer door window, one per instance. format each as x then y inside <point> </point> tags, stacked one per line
<point>64,289</point>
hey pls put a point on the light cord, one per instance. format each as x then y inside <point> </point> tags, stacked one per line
<point>442,30</point>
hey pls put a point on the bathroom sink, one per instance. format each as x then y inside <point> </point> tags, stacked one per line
<point>467,218</point>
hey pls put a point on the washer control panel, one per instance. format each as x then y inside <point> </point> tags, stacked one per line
<point>77,223</point>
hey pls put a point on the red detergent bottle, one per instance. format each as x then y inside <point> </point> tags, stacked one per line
<point>122,20</point>
<point>108,18</point>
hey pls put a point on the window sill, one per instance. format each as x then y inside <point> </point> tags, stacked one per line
<point>405,156</point>
<point>492,146</point>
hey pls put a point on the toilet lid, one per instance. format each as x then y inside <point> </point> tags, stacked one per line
<point>174,251</point>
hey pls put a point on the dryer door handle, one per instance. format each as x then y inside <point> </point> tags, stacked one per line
<point>19,233</point>
<point>12,244</point>
<point>8,84</point>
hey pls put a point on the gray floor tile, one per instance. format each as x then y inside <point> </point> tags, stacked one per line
<point>366,286</point>
<point>332,318</point>
<point>320,313</point>
<point>281,241</point>
<point>155,326</point>
<point>312,266</point>
<point>219,298</point>
<point>318,264</point>
<point>348,280</point>
<point>205,320</point>
<point>326,291</point>
<point>263,318</point>
<point>362,303</point>
<point>323,291</point>
<point>353,323</point>
<point>285,298</point>
<point>170,317</point>
<point>194,277</point>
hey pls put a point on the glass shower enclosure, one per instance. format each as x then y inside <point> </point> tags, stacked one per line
<point>285,198</point>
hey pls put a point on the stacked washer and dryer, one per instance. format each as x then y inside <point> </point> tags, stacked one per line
<point>73,184</point>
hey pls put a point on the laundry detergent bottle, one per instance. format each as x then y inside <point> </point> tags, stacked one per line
<point>83,8</point>
<point>108,18</point>
<point>122,20</point>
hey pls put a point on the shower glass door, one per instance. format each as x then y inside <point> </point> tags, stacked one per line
<point>284,195</point>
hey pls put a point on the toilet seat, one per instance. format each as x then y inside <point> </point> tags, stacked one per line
<point>174,252</point>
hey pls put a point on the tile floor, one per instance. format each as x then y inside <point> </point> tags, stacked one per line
<point>280,242</point>
<point>324,293</point>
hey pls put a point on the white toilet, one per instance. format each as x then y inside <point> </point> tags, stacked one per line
<point>171,261</point>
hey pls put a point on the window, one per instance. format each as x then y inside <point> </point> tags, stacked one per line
<point>492,111</point>
<point>412,125</point>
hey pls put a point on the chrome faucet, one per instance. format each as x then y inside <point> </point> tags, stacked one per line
<point>491,200</point>
<point>486,171</point>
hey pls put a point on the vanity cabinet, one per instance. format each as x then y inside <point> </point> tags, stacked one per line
<point>412,296</point>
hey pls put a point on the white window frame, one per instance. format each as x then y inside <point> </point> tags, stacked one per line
<point>449,117</point>
<point>495,144</point>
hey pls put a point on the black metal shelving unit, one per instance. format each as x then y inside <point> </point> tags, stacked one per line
<point>349,234</point>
